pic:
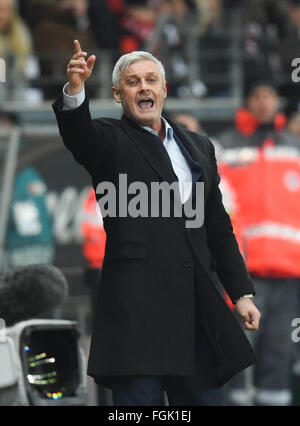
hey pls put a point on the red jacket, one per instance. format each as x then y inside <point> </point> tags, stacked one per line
<point>94,236</point>
<point>263,186</point>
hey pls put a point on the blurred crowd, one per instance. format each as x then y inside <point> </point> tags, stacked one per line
<point>207,46</point>
<point>209,49</point>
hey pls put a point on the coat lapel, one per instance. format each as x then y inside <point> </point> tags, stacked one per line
<point>156,155</point>
<point>152,149</point>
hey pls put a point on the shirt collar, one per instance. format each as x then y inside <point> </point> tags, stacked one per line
<point>168,129</point>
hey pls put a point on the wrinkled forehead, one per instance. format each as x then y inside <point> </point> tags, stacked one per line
<point>141,68</point>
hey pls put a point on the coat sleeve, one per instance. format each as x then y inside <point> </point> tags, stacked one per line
<point>230,265</point>
<point>87,139</point>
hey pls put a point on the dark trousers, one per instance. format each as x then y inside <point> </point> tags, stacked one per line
<point>147,390</point>
<point>195,390</point>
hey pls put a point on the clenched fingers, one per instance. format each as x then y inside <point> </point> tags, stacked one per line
<point>76,64</point>
<point>251,319</point>
<point>249,313</point>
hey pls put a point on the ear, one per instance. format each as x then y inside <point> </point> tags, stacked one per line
<point>116,93</point>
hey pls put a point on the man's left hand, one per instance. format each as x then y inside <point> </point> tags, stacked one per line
<point>249,313</point>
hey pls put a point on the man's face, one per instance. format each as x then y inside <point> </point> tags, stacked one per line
<point>263,103</point>
<point>142,92</point>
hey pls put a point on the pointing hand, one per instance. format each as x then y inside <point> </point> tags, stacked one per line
<point>79,69</point>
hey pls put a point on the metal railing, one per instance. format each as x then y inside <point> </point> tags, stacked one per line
<point>9,145</point>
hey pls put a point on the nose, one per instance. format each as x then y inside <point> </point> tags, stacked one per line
<point>144,86</point>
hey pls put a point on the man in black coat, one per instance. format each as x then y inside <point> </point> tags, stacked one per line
<point>161,322</point>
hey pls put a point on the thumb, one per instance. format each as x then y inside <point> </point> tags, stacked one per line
<point>252,323</point>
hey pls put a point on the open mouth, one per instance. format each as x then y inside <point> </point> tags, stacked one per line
<point>146,104</point>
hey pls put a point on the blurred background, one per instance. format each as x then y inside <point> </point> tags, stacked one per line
<point>231,70</point>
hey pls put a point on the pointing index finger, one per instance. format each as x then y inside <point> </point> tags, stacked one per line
<point>77,46</point>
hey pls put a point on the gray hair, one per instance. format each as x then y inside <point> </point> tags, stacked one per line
<point>129,59</point>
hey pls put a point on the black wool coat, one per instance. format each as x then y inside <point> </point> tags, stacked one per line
<point>155,267</point>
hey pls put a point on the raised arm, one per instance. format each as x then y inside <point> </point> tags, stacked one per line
<point>87,139</point>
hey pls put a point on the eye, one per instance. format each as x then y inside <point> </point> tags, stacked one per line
<point>132,83</point>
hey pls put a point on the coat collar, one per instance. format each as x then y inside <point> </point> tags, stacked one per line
<point>155,153</point>
<point>152,149</point>
<point>193,148</point>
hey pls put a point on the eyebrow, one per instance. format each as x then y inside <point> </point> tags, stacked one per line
<point>147,74</point>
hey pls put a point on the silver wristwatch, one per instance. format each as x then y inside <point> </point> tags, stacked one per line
<point>245,296</point>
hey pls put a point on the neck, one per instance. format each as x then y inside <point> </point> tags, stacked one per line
<point>162,131</point>
<point>159,127</point>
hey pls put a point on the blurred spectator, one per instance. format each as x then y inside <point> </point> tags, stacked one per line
<point>189,121</point>
<point>216,41</point>
<point>292,112</point>
<point>261,167</point>
<point>94,239</point>
<point>105,17</point>
<point>137,24</point>
<point>290,47</point>
<point>16,50</point>
<point>29,234</point>
<point>193,124</point>
<point>55,24</point>
<point>121,26</point>
<point>174,42</point>
<point>93,232</point>
<point>258,119</point>
<point>264,24</point>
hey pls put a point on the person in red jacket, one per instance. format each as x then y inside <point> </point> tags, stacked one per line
<point>94,236</point>
<point>93,248</point>
<point>93,244</point>
<point>260,168</point>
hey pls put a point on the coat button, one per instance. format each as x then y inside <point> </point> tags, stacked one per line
<point>187,265</point>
